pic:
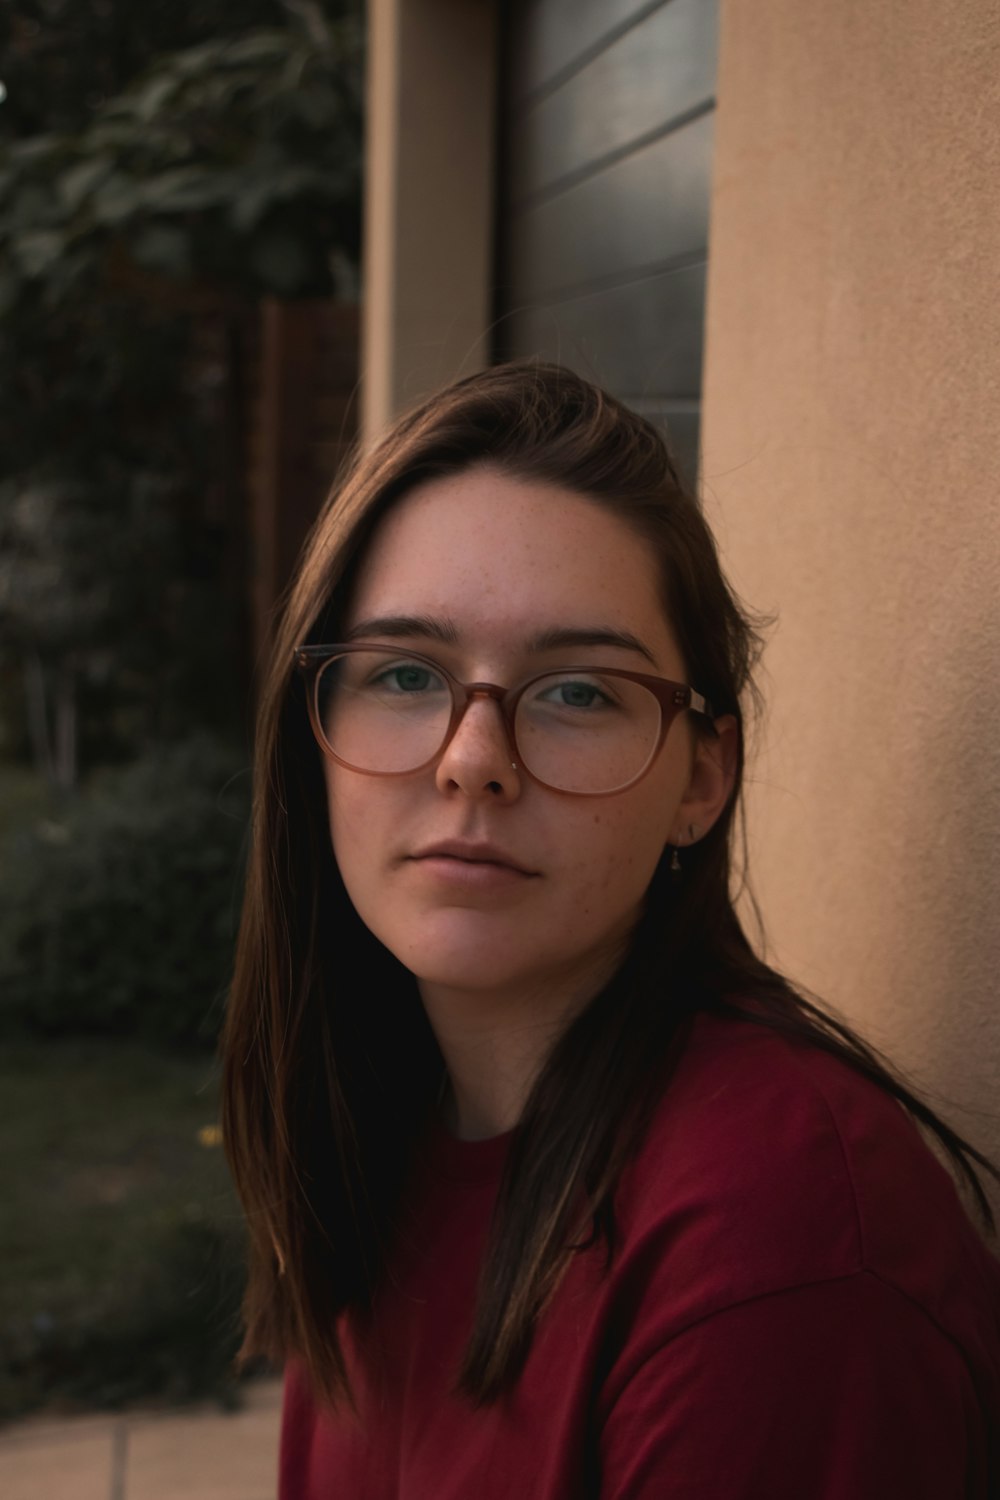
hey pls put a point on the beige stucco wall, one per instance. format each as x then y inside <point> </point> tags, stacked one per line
<point>429,183</point>
<point>852,470</point>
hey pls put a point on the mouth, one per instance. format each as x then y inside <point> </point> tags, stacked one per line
<point>482,855</point>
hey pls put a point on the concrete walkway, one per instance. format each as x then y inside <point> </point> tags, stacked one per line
<point>198,1454</point>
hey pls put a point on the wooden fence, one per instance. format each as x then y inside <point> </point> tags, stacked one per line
<point>300,365</point>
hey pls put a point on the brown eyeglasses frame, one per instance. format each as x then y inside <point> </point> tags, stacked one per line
<point>674,699</point>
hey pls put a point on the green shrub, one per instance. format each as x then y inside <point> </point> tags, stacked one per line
<point>170,1332</point>
<point>119,916</point>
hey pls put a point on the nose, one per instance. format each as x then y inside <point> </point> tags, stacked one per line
<point>479,758</point>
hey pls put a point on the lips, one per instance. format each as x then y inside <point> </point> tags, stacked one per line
<point>472,854</point>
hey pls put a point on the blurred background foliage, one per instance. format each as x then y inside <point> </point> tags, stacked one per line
<point>163,168</point>
<point>222,173</point>
<point>119,914</point>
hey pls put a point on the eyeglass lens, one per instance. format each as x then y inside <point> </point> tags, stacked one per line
<point>575,731</point>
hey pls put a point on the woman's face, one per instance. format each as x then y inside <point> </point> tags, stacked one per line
<point>484,567</point>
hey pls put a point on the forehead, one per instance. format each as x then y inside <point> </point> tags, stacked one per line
<point>509,558</point>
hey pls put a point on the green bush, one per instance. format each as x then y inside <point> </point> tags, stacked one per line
<point>119,916</point>
<point>171,1332</point>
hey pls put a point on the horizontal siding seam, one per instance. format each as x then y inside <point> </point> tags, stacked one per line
<point>615,279</point>
<point>583,59</point>
<point>600,163</point>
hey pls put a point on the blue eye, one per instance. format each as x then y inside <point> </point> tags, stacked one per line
<point>581,694</point>
<point>576,693</point>
<point>408,678</point>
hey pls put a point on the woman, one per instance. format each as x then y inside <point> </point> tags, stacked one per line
<point>554,1188</point>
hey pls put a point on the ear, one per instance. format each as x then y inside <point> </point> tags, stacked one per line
<point>710,785</point>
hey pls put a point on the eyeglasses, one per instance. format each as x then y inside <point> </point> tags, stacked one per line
<point>586,730</point>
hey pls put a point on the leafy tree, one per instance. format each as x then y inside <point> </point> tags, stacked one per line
<point>61,59</point>
<point>227,171</point>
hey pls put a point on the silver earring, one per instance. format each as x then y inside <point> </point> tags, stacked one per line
<point>675,862</point>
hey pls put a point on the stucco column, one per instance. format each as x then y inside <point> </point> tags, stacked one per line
<point>429,187</point>
<point>852,472</point>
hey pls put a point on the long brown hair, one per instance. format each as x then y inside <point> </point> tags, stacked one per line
<point>329,1064</point>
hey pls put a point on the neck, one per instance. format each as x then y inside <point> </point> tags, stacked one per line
<point>495,1044</point>
<point>490,1073</point>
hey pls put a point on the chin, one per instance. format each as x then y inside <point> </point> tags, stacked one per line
<point>462,955</point>
<point>453,947</point>
<point>459,968</point>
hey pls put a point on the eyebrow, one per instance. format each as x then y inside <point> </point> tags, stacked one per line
<point>561,638</point>
<point>404,625</point>
<point>557,638</point>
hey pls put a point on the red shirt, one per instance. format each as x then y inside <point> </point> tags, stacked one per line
<point>800,1310</point>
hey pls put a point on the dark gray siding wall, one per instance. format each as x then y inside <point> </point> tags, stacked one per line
<point>605,182</point>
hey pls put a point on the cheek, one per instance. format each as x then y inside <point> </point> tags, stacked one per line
<point>623,847</point>
<point>349,816</point>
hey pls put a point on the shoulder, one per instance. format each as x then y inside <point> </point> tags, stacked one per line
<point>771,1165</point>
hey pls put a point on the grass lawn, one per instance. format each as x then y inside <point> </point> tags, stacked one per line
<point>120,1233</point>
